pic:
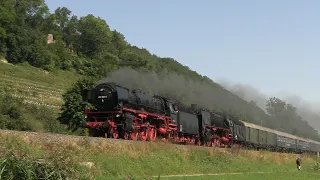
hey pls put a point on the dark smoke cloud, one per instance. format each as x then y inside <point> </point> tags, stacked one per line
<point>176,86</point>
<point>170,85</point>
<point>308,111</point>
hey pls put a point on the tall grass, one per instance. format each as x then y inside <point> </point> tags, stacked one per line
<point>15,114</point>
<point>19,160</point>
<point>316,166</point>
<point>44,155</point>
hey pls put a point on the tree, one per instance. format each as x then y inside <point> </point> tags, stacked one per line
<point>275,106</point>
<point>94,36</point>
<point>118,42</point>
<point>72,109</point>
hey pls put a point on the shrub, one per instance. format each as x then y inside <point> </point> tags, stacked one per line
<point>19,160</point>
<point>15,114</point>
<point>72,109</point>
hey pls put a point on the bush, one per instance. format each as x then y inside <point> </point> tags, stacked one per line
<point>15,114</point>
<point>21,161</point>
<point>72,109</point>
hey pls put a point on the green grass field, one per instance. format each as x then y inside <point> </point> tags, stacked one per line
<point>142,160</point>
<point>291,175</point>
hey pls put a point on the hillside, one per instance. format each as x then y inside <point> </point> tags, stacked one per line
<point>34,85</point>
<point>308,111</point>
<point>64,43</point>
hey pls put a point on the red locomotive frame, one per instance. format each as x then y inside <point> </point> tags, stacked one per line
<point>144,127</point>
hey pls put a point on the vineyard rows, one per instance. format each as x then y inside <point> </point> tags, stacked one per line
<point>40,84</point>
<point>30,90</point>
<point>32,93</point>
<point>35,86</point>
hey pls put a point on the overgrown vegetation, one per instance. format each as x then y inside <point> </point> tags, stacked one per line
<point>15,114</point>
<point>316,166</point>
<point>20,160</point>
<point>30,156</point>
<point>72,109</point>
<point>78,48</point>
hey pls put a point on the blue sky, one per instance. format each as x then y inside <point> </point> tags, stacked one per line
<point>271,45</point>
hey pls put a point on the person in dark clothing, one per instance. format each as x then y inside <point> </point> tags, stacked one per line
<point>298,162</point>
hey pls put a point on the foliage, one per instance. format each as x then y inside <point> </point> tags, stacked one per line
<point>18,160</point>
<point>72,109</point>
<point>87,46</point>
<point>286,119</point>
<point>16,115</point>
<point>139,160</point>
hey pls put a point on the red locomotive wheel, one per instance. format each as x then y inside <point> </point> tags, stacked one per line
<point>198,142</point>
<point>134,136</point>
<point>126,136</point>
<point>114,133</point>
<point>209,143</point>
<point>176,138</point>
<point>192,141</point>
<point>152,134</point>
<point>143,135</point>
<point>217,143</point>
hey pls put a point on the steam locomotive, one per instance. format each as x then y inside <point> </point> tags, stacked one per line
<point>132,114</point>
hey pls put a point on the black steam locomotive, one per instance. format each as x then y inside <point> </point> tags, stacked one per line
<point>132,114</point>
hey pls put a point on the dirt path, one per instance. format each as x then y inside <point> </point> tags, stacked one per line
<point>214,174</point>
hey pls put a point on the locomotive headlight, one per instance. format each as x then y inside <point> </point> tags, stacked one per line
<point>118,115</point>
<point>85,117</point>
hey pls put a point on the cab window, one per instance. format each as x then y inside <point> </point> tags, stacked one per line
<point>172,108</point>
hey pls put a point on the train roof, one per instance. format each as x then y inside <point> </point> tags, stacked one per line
<point>278,132</point>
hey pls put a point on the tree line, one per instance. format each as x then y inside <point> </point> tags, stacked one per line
<point>86,45</point>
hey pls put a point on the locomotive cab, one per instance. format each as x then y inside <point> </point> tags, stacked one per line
<point>172,108</point>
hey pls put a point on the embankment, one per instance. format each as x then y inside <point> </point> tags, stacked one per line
<point>111,159</point>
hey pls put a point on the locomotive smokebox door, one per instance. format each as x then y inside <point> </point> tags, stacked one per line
<point>105,96</point>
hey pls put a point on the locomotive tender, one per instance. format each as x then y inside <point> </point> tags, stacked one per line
<point>125,113</point>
